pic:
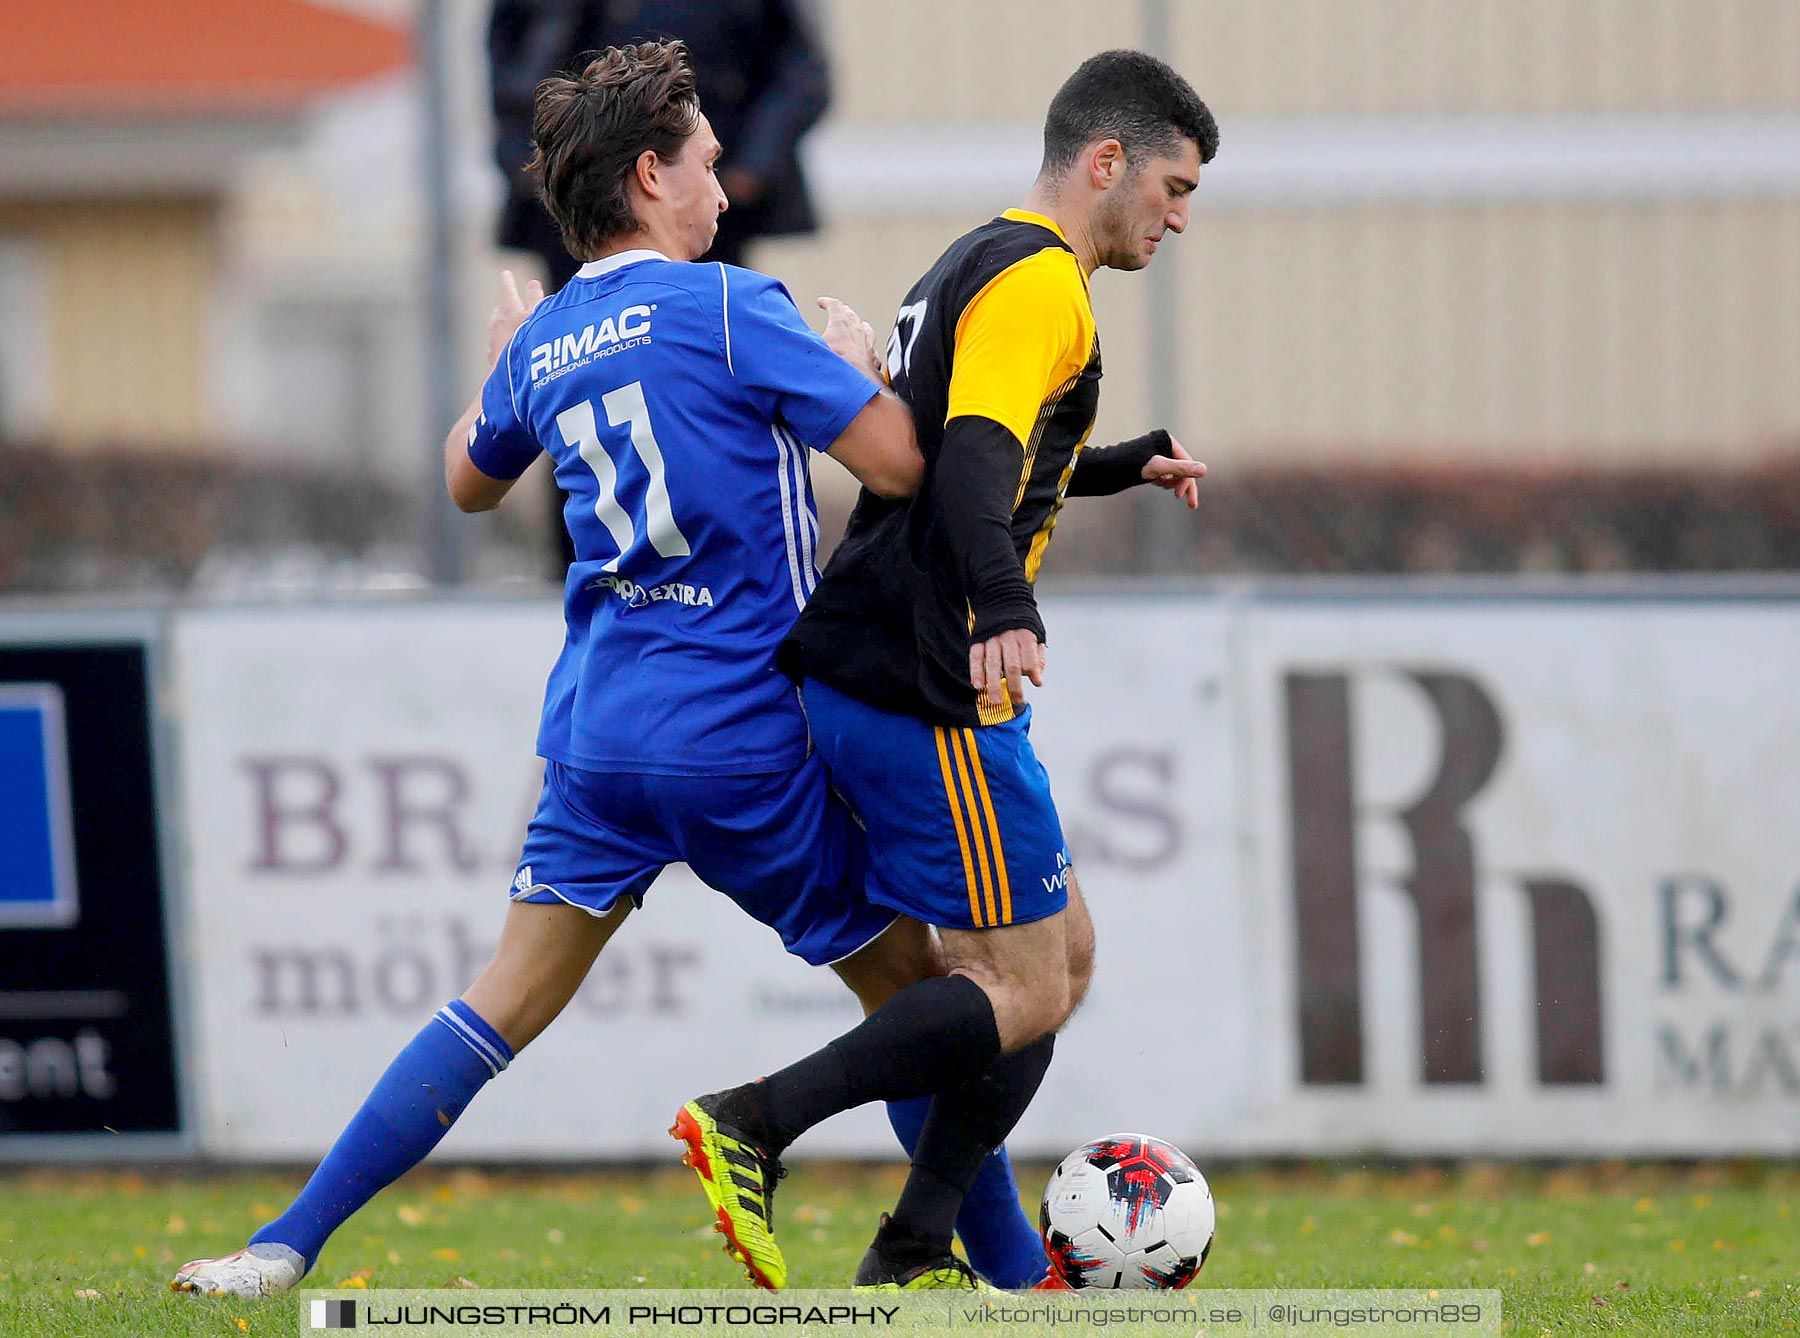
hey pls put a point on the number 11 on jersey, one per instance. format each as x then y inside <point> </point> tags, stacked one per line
<point>626,407</point>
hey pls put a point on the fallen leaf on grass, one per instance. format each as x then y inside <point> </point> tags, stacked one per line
<point>242,1323</point>
<point>88,1294</point>
<point>1399,1237</point>
<point>410,1215</point>
<point>555,1235</point>
<point>1602,1302</point>
<point>448,1253</point>
<point>177,1224</point>
<point>466,1284</point>
<point>1538,1238</point>
<point>1621,1286</point>
<point>1753,1293</point>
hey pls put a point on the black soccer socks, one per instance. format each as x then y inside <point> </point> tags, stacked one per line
<point>930,1036</point>
<point>966,1123</point>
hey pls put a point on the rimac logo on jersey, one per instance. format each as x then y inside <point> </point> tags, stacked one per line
<point>629,329</point>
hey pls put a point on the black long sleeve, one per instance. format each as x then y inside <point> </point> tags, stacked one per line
<point>1104,470</point>
<point>973,489</point>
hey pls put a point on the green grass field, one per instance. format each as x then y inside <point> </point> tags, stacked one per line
<point>1604,1249</point>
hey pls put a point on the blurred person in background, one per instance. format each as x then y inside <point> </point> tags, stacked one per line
<point>761,70</point>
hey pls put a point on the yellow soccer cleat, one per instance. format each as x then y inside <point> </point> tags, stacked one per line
<point>739,1179</point>
<point>952,1275</point>
<point>910,1266</point>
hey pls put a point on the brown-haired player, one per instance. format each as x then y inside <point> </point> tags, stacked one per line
<point>677,401</point>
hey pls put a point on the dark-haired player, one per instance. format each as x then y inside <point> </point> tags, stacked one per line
<point>914,649</point>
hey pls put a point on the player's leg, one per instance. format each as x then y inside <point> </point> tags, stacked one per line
<point>787,851</point>
<point>967,1124</point>
<point>561,917</point>
<point>931,1036</point>
<point>939,826</point>
<point>1081,945</point>
<point>903,955</point>
<point>544,954</point>
<point>1003,1243</point>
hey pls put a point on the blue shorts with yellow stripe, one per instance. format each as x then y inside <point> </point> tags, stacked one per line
<point>962,831</point>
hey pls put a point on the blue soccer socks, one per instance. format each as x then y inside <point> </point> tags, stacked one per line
<point>1000,1240</point>
<point>412,1107</point>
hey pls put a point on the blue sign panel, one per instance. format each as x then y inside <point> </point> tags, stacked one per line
<point>87,1038</point>
<point>37,847</point>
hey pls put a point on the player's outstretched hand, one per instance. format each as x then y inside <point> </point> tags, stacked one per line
<point>999,666</point>
<point>850,336</point>
<point>510,313</point>
<point>1178,472</point>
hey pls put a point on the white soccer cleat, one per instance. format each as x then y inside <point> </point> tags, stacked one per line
<point>254,1271</point>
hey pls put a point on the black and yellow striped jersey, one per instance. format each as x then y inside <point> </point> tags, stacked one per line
<point>996,351</point>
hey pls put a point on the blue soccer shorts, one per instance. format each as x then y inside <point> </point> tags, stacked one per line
<point>962,831</point>
<point>781,845</point>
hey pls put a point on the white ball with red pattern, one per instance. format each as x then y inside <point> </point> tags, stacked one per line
<point>1127,1211</point>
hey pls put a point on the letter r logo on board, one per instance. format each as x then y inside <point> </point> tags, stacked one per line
<point>1325,815</point>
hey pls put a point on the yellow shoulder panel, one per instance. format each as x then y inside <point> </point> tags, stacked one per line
<point>1020,339</point>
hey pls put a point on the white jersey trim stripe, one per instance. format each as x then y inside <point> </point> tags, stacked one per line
<point>725,310</point>
<point>809,535</point>
<point>788,518</point>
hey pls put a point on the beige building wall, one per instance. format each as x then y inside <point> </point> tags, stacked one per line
<point>953,60</point>
<point>1585,324</point>
<point>128,286</point>
<point>1614,335</point>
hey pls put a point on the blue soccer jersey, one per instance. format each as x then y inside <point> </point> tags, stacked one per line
<point>677,401</point>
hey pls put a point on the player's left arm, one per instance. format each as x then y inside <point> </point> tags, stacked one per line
<point>489,447</point>
<point>1022,337</point>
<point>1156,457</point>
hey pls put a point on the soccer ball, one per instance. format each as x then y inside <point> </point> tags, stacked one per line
<point>1127,1211</point>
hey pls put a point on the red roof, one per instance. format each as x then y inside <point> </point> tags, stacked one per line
<point>181,57</point>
